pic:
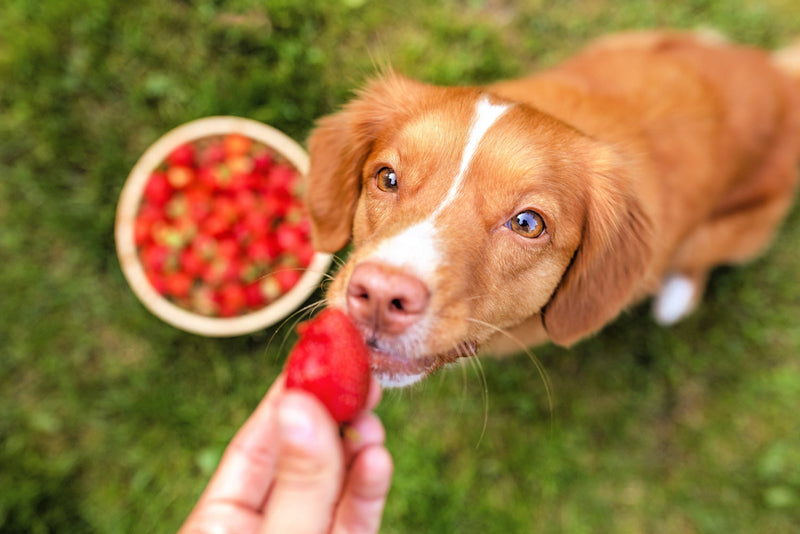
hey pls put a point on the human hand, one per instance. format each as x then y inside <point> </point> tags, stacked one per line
<point>289,470</point>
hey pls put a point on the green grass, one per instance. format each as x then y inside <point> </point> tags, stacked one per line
<point>112,421</point>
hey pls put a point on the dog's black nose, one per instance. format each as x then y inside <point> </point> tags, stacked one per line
<point>384,299</point>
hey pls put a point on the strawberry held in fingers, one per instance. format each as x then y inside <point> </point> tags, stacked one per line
<point>331,361</point>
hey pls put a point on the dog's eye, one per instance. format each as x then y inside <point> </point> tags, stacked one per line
<point>387,180</point>
<point>527,224</point>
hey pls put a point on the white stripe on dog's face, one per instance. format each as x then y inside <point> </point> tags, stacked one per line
<point>486,114</point>
<point>416,248</point>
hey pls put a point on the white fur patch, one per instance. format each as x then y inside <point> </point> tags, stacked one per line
<point>675,300</point>
<point>388,380</point>
<point>414,249</point>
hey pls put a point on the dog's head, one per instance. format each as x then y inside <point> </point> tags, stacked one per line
<point>468,214</point>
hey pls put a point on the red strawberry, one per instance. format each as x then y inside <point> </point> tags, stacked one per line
<point>242,233</point>
<point>250,271</point>
<point>240,164</point>
<point>228,248</point>
<point>214,152</point>
<point>290,238</point>
<point>247,201</point>
<point>202,301</point>
<point>255,297</point>
<point>237,144</point>
<point>287,278</point>
<point>143,224</point>
<point>170,235</point>
<point>157,190</point>
<point>191,262</point>
<point>186,228</point>
<point>177,206</point>
<point>262,161</point>
<point>262,250</point>
<point>258,224</point>
<point>180,176</point>
<point>179,284</point>
<point>232,299</point>
<point>200,202</point>
<point>272,206</point>
<point>156,258</point>
<point>283,177</point>
<point>270,287</point>
<point>305,254</point>
<point>226,207</point>
<point>156,280</point>
<point>207,176</point>
<point>215,271</point>
<point>182,155</point>
<point>215,225</point>
<point>141,231</point>
<point>221,177</point>
<point>331,361</point>
<point>235,270</point>
<point>205,246</point>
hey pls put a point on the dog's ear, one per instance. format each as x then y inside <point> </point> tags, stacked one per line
<point>338,147</point>
<point>612,259</point>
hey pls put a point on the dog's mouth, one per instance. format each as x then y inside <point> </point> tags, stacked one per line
<point>395,369</point>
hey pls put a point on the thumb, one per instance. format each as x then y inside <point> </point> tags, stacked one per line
<point>310,468</point>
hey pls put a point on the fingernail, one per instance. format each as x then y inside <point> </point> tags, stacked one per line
<point>295,423</point>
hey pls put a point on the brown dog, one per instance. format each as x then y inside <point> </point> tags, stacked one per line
<point>542,207</point>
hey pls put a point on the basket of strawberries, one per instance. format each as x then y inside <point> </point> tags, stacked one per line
<point>211,232</point>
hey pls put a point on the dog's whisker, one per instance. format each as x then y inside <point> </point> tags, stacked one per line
<point>297,316</point>
<point>325,275</point>
<point>531,356</point>
<point>466,352</point>
<point>337,261</point>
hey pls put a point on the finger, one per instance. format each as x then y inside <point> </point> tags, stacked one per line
<point>221,516</point>
<point>364,496</point>
<point>375,393</point>
<point>310,468</point>
<point>246,469</point>
<point>365,430</point>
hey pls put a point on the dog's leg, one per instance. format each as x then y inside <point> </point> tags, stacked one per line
<point>734,238</point>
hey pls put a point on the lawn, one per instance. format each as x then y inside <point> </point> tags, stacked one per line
<point>113,421</point>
